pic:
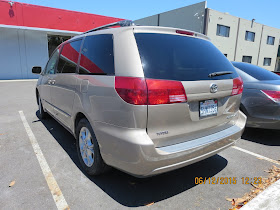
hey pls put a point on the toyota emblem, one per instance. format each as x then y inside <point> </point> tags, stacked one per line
<point>213,88</point>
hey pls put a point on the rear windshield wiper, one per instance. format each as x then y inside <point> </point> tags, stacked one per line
<point>214,74</point>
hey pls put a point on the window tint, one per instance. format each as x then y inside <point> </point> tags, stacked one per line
<point>250,36</point>
<point>183,58</point>
<point>50,68</point>
<point>256,71</point>
<point>247,59</point>
<point>223,30</point>
<point>97,55</point>
<point>270,40</point>
<point>267,61</point>
<point>69,56</point>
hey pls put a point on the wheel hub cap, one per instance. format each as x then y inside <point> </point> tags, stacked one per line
<point>86,146</point>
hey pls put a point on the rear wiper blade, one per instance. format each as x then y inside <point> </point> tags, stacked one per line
<point>214,74</point>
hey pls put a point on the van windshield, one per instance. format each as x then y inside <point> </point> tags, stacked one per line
<point>183,58</point>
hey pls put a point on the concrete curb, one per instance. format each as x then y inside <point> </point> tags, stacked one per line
<point>269,199</point>
<point>20,80</point>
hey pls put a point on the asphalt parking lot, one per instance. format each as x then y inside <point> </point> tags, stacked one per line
<point>114,190</point>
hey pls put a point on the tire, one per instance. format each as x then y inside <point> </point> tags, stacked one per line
<point>42,113</point>
<point>88,149</point>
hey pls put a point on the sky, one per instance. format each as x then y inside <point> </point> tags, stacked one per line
<point>266,12</point>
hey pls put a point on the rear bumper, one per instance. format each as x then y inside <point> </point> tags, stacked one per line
<point>133,151</point>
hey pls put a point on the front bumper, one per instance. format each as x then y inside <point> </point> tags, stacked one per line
<point>132,150</point>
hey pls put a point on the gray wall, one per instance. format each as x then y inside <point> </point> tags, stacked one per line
<point>269,51</point>
<point>21,50</point>
<point>190,18</point>
<point>248,48</point>
<point>235,46</point>
<point>225,44</point>
<point>148,21</point>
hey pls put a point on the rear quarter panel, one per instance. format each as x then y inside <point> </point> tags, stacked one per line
<point>257,105</point>
<point>96,96</point>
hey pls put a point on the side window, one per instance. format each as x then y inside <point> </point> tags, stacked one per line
<point>69,56</point>
<point>97,55</point>
<point>50,68</point>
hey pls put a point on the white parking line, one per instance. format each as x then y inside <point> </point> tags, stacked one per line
<point>256,155</point>
<point>20,80</point>
<point>57,195</point>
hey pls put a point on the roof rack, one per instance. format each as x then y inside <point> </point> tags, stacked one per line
<point>121,23</point>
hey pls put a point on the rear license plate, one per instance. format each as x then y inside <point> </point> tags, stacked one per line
<point>208,108</point>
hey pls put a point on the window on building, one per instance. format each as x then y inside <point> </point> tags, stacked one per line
<point>223,30</point>
<point>250,36</point>
<point>247,59</point>
<point>267,61</point>
<point>270,40</point>
<point>54,41</point>
<point>225,55</point>
<point>97,55</point>
<point>69,56</point>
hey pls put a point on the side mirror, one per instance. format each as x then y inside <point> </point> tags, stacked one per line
<point>36,69</point>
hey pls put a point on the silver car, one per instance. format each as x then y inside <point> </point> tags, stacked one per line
<point>261,96</point>
<point>142,99</point>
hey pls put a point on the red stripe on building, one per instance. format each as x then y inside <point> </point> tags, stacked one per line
<point>28,15</point>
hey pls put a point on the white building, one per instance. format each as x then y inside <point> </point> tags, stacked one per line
<point>239,39</point>
<point>29,34</point>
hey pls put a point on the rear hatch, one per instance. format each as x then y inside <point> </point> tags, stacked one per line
<point>193,90</point>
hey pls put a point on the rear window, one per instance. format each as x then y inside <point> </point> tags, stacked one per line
<point>175,57</point>
<point>256,71</point>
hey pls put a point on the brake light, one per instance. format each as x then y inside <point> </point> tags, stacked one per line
<point>185,32</point>
<point>273,95</point>
<point>140,91</point>
<point>132,90</point>
<point>237,86</point>
<point>165,92</point>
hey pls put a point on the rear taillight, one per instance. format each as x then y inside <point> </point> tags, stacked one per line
<point>165,92</point>
<point>140,91</point>
<point>132,90</point>
<point>273,95</point>
<point>237,86</point>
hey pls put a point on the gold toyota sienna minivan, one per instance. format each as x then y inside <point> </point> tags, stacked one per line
<point>142,99</point>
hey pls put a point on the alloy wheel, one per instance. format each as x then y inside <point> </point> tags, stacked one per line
<point>86,146</point>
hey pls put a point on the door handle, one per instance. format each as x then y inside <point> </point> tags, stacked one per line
<point>51,81</point>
